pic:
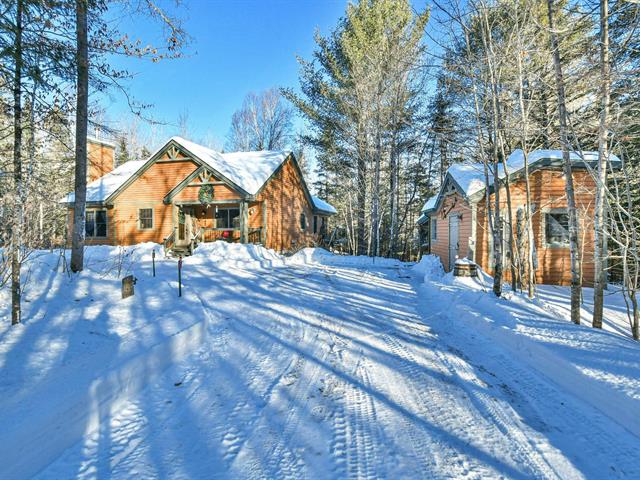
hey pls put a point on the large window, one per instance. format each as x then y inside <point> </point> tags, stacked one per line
<point>96,226</point>
<point>228,218</point>
<point>145,218</point>
<point>434,229</point>
<point>556,228</point>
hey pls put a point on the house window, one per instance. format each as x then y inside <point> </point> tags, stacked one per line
<point>145,218</point>
<point>303,221</point>
<point>556,228</point>
<point>96,225</point>
<point>228,218</point>
<point>434,229</point>
<point>315,224</point>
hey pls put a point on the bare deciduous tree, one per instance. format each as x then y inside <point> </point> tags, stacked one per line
<point>264,122</point>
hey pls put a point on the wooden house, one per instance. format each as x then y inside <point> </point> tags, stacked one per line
<point>454,222</point>
<point>185,194</point>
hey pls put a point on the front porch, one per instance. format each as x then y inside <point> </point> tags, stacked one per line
<point>230,221</point>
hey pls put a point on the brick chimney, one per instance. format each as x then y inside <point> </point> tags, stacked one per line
<point>101,158</point>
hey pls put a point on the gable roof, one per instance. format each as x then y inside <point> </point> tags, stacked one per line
<point>247,172</point>
<point>469,178</point>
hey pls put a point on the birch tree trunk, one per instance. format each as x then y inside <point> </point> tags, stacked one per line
<point>603,160</point>
<point>82,107</point>
<point>497,223</point>
<point>576,287</point>
<point>529,268</point>
<point>16,232</point>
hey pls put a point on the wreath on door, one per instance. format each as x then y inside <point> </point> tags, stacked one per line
<point>205,195</point>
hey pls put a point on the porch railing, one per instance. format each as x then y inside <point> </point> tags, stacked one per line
<point>169,242</point>
<point>231,235</point>
<point>255,235</point>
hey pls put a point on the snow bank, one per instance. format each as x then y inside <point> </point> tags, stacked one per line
<point>226,254</point>
<point>81,347</point>
<point>53,425</point>
<point>429,267</point>
<point>599,367</point>
<point>320,256</point>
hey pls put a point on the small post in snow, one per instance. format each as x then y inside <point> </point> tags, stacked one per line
<point>179,276</point>
<point>153,261</point>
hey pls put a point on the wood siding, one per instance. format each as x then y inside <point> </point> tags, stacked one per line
<point>278,206</point>
<point>453,204</point>
<point>148,191</point>
<point>285,200</point>
<point>547,193</point>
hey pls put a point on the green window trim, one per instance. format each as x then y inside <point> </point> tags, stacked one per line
<point>145,219</point>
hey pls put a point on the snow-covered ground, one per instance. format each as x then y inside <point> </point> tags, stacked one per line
<point>314,366</point>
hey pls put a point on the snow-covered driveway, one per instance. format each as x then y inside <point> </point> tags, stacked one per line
<point>316,371</point>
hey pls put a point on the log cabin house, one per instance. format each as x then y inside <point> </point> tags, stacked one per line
<point>454,223</point>
<point>185,194</point>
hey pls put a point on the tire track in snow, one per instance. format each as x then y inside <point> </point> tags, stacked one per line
<point>364,441</point>
<point>443,458</point>
<point>522,445</point>
<point>235,430</point>
<point>263,377</point>
<point>539,397</point>
<point>293,388</point>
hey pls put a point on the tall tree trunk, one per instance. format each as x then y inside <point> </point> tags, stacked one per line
<point>82,107</point>
<point>512,252</point>
<point>498,151</point>
<point>497,225</point>
<point>529,267</point>
<point>16,231</point>
<point>603,159</point>
<point>375,214</point>
<point>393,208</point>
<point>576,286</point>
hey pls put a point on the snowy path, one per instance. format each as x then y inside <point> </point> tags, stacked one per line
<point>330,372</point>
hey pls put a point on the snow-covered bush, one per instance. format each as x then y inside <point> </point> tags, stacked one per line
<point>429,267</point>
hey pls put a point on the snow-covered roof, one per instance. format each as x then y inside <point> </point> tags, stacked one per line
<point>322,205</point>
<point>100,189</point>
<point>248,170</point>
<point>470,177</point>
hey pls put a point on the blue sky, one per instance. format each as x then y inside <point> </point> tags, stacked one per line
<point>237,47</point>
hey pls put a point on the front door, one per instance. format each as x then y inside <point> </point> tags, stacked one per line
<point>454,239</point>
<point>185,226</point>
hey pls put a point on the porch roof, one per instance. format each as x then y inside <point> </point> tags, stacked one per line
<point>323,207</point>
